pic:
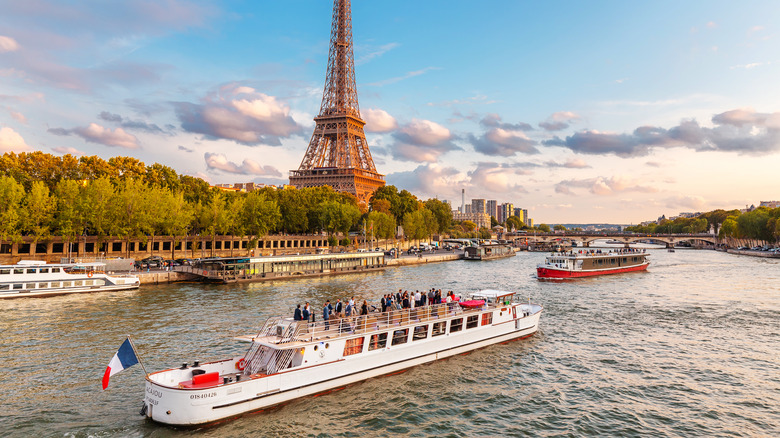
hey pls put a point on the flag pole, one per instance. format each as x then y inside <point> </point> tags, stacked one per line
<point>137,355</point>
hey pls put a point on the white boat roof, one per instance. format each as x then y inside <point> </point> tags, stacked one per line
<point>491,293</point>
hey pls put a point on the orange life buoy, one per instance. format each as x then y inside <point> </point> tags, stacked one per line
<point>89,274</point>
<point>241,364</point>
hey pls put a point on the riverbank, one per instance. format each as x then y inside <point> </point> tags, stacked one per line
<point>162,277</point>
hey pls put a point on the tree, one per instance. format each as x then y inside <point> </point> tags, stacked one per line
<point>66,219</point>
<point>213,216</point>
<point>559,227</point>
<point>136,209</point>
<point>544,228</point>
<point>383,225</point>
<point>514,223</point>
<point>294,208</point>
<point>11,196</point>
<point>95,206</point>
<point>418,224</point>
<point>260,215</point>
<point>175,217</point>
<point>442,215</point>
<point>381,206</point>
<point>38,211</point>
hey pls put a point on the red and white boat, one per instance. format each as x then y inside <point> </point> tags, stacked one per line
<point>589,263</point>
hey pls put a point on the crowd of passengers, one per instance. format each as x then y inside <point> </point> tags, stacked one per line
<point>400,300</point>
<point>611,251</point>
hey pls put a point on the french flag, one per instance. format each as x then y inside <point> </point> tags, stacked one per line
<point>124,358</point>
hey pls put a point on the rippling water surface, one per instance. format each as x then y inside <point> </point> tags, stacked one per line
<point>689,348</point>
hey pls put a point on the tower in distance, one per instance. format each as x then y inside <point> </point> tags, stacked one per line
<point>338,154</point>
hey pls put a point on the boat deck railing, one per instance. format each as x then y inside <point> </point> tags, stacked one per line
<point>279,330</point>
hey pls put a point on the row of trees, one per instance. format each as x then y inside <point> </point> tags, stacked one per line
<point>761,223</point>
<point>42,195</point>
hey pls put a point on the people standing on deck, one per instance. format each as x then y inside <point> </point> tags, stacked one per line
<point>298,316</point>
<point>405,301</point>
<point>326,309</point>
<point>306,312</point>
<point>364,308</point>
<point>348,311</point>
<point>339,308</point>
<point>383,302</point>
<point>417,298</point>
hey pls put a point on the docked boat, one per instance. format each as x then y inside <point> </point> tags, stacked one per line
<point>290,359</point>
<point>248,269</point>
<point>488,252</point>
<point>36,278</point>
<point>591,263</point>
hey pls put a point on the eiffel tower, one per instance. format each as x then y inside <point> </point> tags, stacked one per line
<point>338,154</point>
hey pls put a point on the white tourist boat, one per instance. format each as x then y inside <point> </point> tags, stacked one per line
<point>32,278</point>
<point>291,359</point>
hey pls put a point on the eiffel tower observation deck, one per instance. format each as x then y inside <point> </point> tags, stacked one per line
<point>338,154</point>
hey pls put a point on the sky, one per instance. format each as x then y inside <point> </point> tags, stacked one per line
<point>581,112</point>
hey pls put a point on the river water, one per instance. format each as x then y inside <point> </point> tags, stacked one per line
<point>689,348</point>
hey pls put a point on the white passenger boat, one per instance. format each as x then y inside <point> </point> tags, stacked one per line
<point>30,278</point>
<point>291,359</point>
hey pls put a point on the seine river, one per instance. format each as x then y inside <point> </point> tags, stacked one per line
<point>689,348</point>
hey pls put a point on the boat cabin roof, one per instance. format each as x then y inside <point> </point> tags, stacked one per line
<point>490,294</point>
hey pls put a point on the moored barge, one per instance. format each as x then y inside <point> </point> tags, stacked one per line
<point>488,252</point>
<point>290,359</point>
<point>247,269</point>
<point>591,263</point>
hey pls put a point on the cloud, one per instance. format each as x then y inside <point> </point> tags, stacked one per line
<point>19,117</point>
<point>136,125</point>
<point>744,131</point>
<point>95,133</point>
<point>248,167</point>
<point>695,203</point>
<point>602,186</point>
<point>422,141</point>
<point>378,120</point>
<point>503,139</point>
<point>67,150</point>
<point>8,44</point>
<point>428,180</point>
<point>408,75</point>
<point>559,121</point>
<point>375,53</point>
<point>495,178</point>
<point>494,121</point>
<point>185,149</point>
<point>11,141</point>
<point>239,113</point>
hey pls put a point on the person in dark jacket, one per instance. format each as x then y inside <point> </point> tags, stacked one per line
<point>306,312</point>
<point>298,316</point>
<point>364,308</point>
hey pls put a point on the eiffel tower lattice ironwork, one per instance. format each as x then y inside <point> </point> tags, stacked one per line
<point>338,154</point>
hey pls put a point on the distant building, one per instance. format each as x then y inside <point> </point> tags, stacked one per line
<point>530,222</point>
<point>478,206</point>
<point>769,204</point>
<point>492,208</point>
<point>505,211</point>
<point>481,219</point>
<point>468,209</point>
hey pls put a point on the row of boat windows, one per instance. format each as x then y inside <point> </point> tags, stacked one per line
<point>401,336</point>
<point>51,285</point>
<point>614,261</point>
<point>6,271</point>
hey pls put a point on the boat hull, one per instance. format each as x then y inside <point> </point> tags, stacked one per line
<point>557,273</point>
<point>191,407</point>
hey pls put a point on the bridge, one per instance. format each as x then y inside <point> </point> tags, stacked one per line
<point>585,239</point>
